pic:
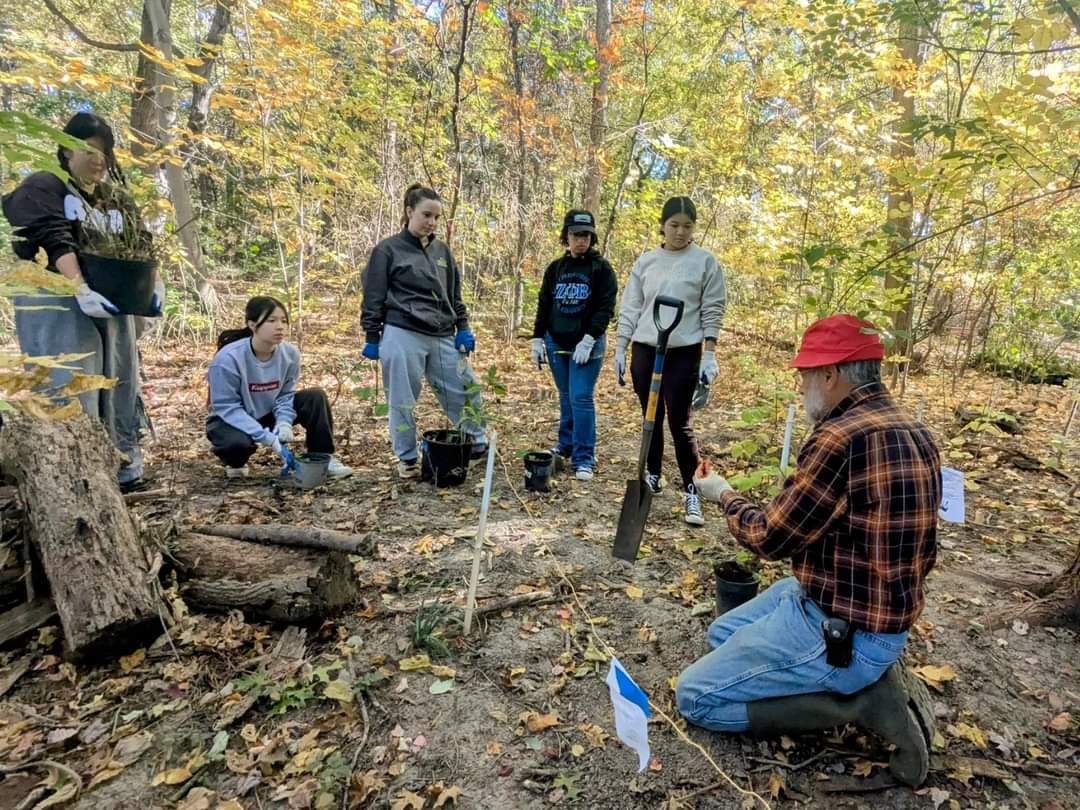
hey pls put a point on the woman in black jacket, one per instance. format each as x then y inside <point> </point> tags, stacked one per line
<point>577,302</point>
<point>65,216</point>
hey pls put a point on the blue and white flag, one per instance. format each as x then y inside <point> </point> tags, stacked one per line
<point>631,711</point>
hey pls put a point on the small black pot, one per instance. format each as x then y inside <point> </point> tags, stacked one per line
<point>445,457</point>
<point>127,283</point>
<point>539,464</point>
<point>735,584</point>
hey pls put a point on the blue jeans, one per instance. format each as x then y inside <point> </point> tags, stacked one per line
<point>577,411</point>
<point>772,646</point>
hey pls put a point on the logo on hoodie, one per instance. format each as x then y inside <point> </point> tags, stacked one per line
<point>263,387</point>
<point>572,292</point>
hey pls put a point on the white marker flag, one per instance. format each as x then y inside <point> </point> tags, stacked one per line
<point>952,495</point>
<point>631,711</point>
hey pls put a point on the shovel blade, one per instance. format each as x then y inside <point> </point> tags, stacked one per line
<point>635,511</point>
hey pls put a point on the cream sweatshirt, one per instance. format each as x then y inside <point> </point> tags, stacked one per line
<point>693,276</point>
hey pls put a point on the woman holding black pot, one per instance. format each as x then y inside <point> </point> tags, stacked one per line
<point>576,304</point>
<point>253,396</point>
<point>416,325</point>
<point>682,270</point>
<point>65,216</point>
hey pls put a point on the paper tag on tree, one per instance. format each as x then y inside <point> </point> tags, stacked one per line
<point>952,495</point>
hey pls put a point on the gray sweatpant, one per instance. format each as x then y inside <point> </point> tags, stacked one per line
<point>407,358</point>
<point>63,328</point>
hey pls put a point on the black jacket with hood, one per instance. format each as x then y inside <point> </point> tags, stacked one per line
<point>412,287</point>
<point>577,297</point>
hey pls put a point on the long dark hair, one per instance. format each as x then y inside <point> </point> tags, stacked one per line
<point>677,205</point>
<point>86,125</point>
<point>258,309</point>
<point>414,195</point>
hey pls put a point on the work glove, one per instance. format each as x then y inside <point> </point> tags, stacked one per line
<point>284,432</point>
<point>371,351</point>
<point>157,302</point>
<point>620,364</point>
<point>539,352</point>
<point>583,351</point>
<point>709,484</point>
<point>465,342</point>
<point>273,442</point>
<point>708,368</point>
<point>94,304</point>
<point>288,462</point>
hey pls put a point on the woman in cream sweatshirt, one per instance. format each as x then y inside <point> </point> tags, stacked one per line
<point>682,270</point>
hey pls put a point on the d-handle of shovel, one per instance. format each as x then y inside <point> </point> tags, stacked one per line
<point>664,332</point>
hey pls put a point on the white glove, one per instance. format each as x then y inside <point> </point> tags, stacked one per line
<point>583,351</point>
<point>272,441</point>
<point>94,304</point>
<point>284,432</point>
<point>620,364</point>
<point>708,369</point>
<point>539,352</point>
<point>709,484</point>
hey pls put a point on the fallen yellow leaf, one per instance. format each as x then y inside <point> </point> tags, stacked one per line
<point>935,676</point>
<point>970,733</point>
<point>408,801</point>
<point>634,592</point>
<point>450,794</point>
<point>177,776</point>
<point>414,663</point>
<point>539,722</point>
<point>440,671</point>
<point>129,662</point>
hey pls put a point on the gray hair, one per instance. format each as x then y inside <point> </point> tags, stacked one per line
<point>860,372</point>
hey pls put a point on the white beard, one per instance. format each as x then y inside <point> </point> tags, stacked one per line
<point>814,407</point>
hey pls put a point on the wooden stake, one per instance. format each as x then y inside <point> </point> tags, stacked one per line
<point>478,543</point>
<point>785,456</point>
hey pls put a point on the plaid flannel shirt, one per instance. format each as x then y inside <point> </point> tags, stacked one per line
<point>859,515</point>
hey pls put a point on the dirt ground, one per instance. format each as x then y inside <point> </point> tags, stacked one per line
<point>524,719</point>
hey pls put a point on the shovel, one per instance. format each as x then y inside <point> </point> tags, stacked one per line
<point>638,497</point>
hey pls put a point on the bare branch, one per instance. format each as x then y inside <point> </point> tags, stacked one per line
<point>97,43</point>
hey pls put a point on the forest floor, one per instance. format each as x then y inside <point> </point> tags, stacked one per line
<point>517,715</point>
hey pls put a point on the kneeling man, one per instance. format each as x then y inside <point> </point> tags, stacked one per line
<point>858,519</point>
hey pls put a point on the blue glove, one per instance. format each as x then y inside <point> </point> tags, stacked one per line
<point>371,351</point>
<point>157,302</point>
<point>465,341</point>
<point>290,462</point>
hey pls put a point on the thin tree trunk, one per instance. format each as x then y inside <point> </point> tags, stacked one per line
<point>457,71</point>
<point>598,122</point>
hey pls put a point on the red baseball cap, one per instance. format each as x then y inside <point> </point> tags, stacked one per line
<point>838,339</point>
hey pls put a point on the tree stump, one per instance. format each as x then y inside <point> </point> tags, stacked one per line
<point>265,582</point>
<point>98,568</point>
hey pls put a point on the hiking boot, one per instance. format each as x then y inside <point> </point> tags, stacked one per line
<point>338,470</point>
<point>584,473</point>
<point>653,483</point>
<point>896,708</point>
<point>236,472</point>
<point>692,504</point>
<point>408,469</point>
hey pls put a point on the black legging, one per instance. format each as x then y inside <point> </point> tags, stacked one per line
<point>235,447</point>
<point>676,395</point>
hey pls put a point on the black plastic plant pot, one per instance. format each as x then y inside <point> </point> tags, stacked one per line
<point>445,457</point>
<point>539,464</point>
<point>127,283</point>
<point>735,584</point>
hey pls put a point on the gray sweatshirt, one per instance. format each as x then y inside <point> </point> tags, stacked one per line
<point>693,276</point>
<point>244,389</point>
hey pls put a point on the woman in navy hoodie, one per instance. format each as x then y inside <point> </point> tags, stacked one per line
<point>577,302</point>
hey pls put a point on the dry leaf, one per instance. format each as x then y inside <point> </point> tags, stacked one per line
<point>177,776</point>
<point>970,733</point>
<point>445,794</point>
<point>442,672</point>
<point>198,798</point>
<point>936,676</point>
<point>494,748</point>
<point>577,750</point>
<point>539,722</point>
<point>634,592</point>
<point>339,691</point>
<point>129,662</point>
<point>408,801</point>
<point>414,663</point>
<point>938,797</point>
<point>777,785</point>
<point>1061,723</point>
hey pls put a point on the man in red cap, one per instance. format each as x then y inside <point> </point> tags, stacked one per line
<point>858,520</point>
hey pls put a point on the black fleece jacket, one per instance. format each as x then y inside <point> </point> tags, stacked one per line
<point>577,297</point>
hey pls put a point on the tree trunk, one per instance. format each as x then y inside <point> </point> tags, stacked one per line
<point>265,582</point>
<point>96,564</point>
<point>598,122</point>
<point>899,211</point>
<point>457,72</point>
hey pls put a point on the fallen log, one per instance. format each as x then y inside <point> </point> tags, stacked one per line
<point>296,536</point>
<point>265,582</point>
<point>97,565</point>
<point>24,618</point>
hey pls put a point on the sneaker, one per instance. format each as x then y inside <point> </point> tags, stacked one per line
<point>337,469</point>
<point>408,468</point>
<point>584,473</point>
<point>653,483</point>
<point>693,508</point>
<point>236,472</point>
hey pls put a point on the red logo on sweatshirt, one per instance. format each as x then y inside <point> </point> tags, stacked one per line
<point>259,388</point>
